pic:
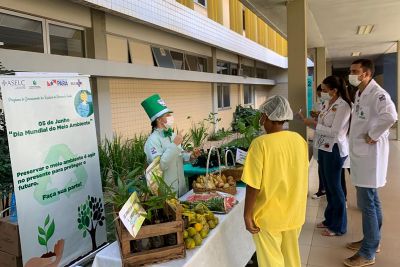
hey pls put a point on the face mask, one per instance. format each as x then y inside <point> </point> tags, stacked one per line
<point>170,122</point>
<point>353,80</point>
<point>325,96</point>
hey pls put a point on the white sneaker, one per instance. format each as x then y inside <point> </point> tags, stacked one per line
<point>318,195</point>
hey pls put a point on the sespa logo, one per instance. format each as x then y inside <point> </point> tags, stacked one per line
<point>18,84</point>
<point>78,83</point>
<point>35,85</point>
<point>57,83</point>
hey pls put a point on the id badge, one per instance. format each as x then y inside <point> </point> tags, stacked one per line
<point>363,113</point>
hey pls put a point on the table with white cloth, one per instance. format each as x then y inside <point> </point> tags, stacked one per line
<point>229,244</point>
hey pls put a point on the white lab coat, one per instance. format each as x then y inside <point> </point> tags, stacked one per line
<point>373,114</point>
<point>171,159</point>
<point>332,127</point>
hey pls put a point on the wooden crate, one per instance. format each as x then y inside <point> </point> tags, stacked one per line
<point>130,259</point>
<point>8,260</point>
<point>9,237</point>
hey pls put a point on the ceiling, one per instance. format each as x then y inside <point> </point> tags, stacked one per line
<point>333,24</point>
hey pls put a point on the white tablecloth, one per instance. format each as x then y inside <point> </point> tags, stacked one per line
<point>229,244</point>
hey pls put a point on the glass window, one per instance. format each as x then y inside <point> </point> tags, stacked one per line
<point>192,62</point>
<point>247,71</point>
<point>201,2</point>
<point>234,69</point>
<point>222,67</point>
<point>20,33</point>
<point>261,73</point>
<point>244,19</point>
<point>224,98</point>
<point>202,64</point>
<point>163,57</point>
<point>177,57</point>
<point>219,89</point>
<point>66,41</point>
<point>248,94</point>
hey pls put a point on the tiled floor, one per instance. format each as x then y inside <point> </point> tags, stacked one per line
<point>319,251</point>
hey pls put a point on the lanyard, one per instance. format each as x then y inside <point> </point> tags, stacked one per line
<point>325,113</point>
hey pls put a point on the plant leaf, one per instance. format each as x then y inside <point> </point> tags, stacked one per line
<point>84,234</point>
<point>41,231</point>
<point>50,231</point>
<point>46,222</point>
<point>41,241</point>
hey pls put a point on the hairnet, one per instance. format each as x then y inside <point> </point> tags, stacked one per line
<point>277,108</point>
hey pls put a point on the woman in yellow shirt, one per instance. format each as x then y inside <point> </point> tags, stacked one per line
<point>276,175</point>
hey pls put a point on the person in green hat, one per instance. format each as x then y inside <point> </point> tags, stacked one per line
<point>164,143</point>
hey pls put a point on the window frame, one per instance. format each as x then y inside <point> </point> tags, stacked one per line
<point>205,3</point>
<point>25,16</point>
<point>223,86</point>
<point>57,23</point>
<point>252,94</point>
<point>156,60</point>
<point>45,29</point>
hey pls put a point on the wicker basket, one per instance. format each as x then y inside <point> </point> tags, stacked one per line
<point>230,190</point>
<point>236,173</point>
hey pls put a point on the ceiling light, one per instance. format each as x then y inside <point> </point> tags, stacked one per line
<point>365,29</point>
<point>355,54</point>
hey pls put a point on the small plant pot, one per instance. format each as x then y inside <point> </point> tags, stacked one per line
<point>171,240</point>
<point>157,242</point>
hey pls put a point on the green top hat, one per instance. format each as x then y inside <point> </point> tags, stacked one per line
<point>155,107</point>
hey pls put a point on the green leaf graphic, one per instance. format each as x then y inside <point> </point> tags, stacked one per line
<point>41,231</point>
<point>41,241</point>
<point>46,222</point>
<point>50,231</point>
<point>84,234</point>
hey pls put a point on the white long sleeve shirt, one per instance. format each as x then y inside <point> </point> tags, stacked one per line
<point>332,127</point>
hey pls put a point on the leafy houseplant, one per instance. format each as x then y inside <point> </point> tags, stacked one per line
<point>244,115</point>
<point>251,131</point>
<point>199,133</point>
<point>118,157</point>
<point>219,135</point>
<point>117,194</point>
<point>246,122</point>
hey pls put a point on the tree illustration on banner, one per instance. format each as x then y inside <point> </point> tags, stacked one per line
<point>90,216</point>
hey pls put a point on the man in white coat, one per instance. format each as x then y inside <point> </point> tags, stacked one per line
<point>372,116</point>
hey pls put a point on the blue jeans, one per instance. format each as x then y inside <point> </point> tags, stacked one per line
<point>330,164</point>
<point>368,202</point>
